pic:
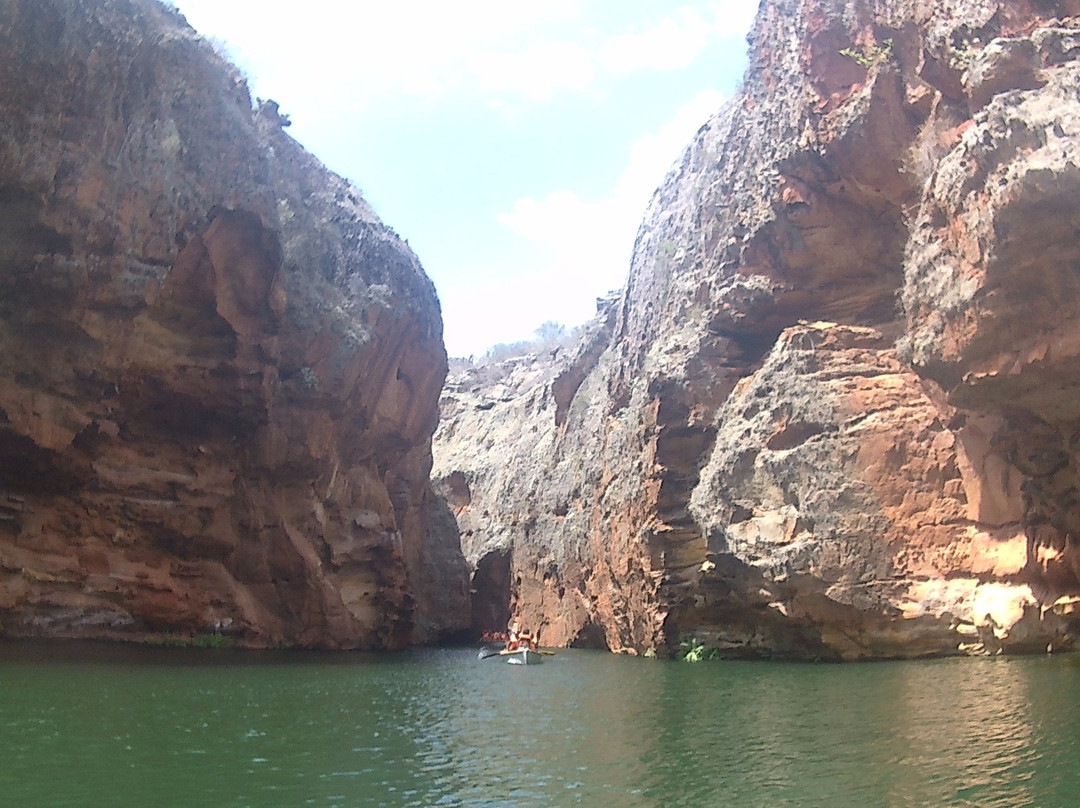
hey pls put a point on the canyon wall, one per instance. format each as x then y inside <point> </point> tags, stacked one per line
<point>219,372</point>
<point>833,412</point>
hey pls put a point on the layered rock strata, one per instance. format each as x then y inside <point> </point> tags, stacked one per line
<point>220,370</point>
<point>832,414</point>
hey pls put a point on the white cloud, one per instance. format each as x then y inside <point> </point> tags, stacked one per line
<point>416,47</point>
<point>587,243</point>
<point>573,225</point>
<point>733,17</point>
<point>583,244</point>
<point>671,44</point>
<point>429,47</point>
<point>537,72</point>
<point>654,154</point>
<point>511,311</point>
<point>546,66</point>
<point>326,61</point>
<point>575,63</point>
<point>675,41</point>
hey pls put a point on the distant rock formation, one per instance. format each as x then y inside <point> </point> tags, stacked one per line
<point>834,413</point>
<point>219,371</point>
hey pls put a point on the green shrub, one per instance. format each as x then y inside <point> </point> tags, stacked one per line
<point>197,641</point>
<point>870,54</point>
<point>691,649</point>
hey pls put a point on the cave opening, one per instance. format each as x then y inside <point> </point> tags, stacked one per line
<point>491,593</point>
<point>26,468</point>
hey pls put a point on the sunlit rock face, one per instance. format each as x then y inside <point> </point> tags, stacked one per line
<point>219,372</point>
<point>833,414</point>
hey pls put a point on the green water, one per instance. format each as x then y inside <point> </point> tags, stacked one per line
<point>115,727</point>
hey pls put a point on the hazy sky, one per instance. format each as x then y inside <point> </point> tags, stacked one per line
<point>513,144</point>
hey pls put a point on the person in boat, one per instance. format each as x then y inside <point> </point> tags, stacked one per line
<point>519,637</point>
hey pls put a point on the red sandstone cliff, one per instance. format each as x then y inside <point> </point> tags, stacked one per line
<point>219,371</point>
<point>834,412</point>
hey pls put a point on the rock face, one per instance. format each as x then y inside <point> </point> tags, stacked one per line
<point>833,413</point>
<point>220,370</point>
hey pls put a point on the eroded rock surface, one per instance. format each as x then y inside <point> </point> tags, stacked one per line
<point>833,413</point>
<point>220,370</point>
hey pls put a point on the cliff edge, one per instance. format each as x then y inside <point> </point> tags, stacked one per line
<point>220,371</point>
<point>833,413</point>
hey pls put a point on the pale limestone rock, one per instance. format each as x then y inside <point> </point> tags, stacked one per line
<point>740,454</point>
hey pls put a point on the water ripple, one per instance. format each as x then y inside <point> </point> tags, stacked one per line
<point>592,730</point>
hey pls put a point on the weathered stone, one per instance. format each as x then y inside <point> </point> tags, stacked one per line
<point>835,474</point>
<point>717,466</point>
<point>220,370</point>
<point>1002,66</point>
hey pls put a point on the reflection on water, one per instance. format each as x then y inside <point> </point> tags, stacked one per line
<point>439,728</point>
<point>969,742</point>
<point>956,732</point>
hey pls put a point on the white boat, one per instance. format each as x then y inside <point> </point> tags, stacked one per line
<point>523,656</point>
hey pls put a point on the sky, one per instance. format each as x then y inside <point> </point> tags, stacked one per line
<point>514,145</point>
